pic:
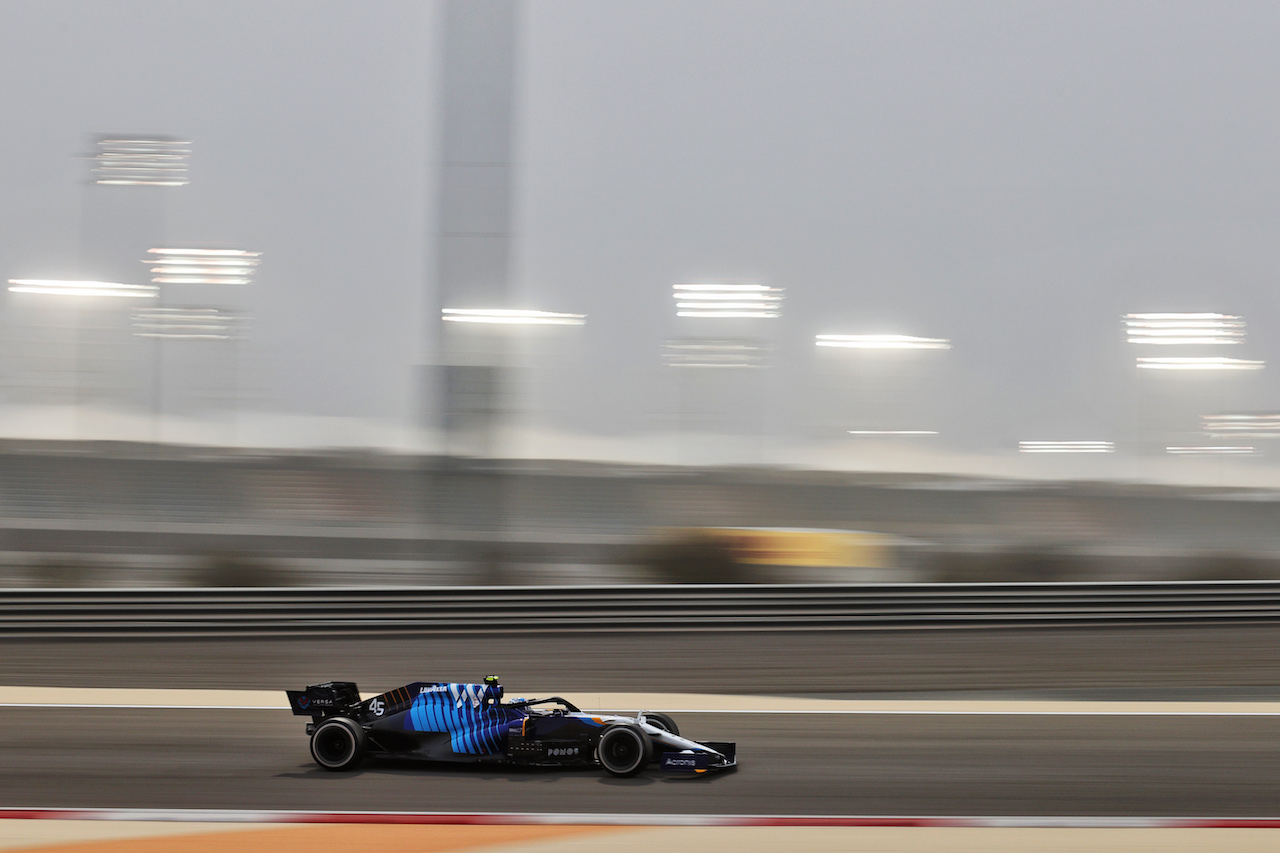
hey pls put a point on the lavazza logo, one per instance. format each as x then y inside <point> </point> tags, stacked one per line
<point>461,693</point>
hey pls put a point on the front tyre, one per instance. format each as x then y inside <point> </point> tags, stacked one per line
<point>624,750</point>
<point>338,744</point>
<point>661,721</point>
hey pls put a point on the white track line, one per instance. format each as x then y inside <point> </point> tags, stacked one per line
<point>925,711</point>
<point>63,698</point>
<point>621,819</point>
<point>119,706</point>
<point>959,712</point>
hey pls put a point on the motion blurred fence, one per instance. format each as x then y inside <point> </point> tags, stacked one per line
<point>488,610</point>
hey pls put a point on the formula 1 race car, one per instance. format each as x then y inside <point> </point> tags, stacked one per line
<point>439,721</point>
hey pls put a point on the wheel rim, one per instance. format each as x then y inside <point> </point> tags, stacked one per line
<point>334,745</point>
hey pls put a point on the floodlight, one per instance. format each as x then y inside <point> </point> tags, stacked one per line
<point>154,162</point>
<point>202,266</point>
<point>713,353</point>
<point>1184,329</point>
<point>1206,363</point>
<point>1066,447</point>
<point>209,324</point>
<point>511,317</point>
<point>892,431</point>
<point>881,342</point>
<point>49,287</point>
<point>1259,425</point>
<point>727,301</point>
<point>1210,451</point>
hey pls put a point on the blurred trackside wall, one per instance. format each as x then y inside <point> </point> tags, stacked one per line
<point>120,513</point>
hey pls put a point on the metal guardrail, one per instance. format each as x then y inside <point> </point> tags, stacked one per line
<point>328,611</point>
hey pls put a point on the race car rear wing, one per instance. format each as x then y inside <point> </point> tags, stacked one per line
<point>324,700</point>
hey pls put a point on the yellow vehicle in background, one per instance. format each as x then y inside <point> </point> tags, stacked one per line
<point>803,555</point>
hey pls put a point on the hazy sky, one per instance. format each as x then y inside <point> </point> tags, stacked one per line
<point>1013,176</point>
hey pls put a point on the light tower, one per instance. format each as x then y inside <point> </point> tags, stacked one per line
<point>196,285</point>
<point>719,352</point>
<point>128,187</point>
<point>473,246</point>
<point>1183,372</point>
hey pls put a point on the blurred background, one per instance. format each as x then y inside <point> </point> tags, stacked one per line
<point>487,291</point>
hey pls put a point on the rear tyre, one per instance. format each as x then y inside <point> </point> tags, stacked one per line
<point>624,750</point>
<point>338,744</point>
<point>661,721</point>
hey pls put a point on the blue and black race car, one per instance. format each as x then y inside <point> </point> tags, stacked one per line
<point>440,721</point>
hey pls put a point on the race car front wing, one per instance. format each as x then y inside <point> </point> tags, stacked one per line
<point>722,756</point>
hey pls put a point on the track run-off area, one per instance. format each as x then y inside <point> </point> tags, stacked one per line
<point>801,760</point>
<point>1103,730</point>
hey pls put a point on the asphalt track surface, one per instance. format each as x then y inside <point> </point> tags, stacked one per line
<point>804,764</point>
<point>790,765</point>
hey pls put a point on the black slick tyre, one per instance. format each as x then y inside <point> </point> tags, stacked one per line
<point>624,750</point>
<point>661,721</point>
<point>338,744</point>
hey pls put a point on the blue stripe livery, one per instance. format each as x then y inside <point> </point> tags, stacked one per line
<point>469,713</point>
